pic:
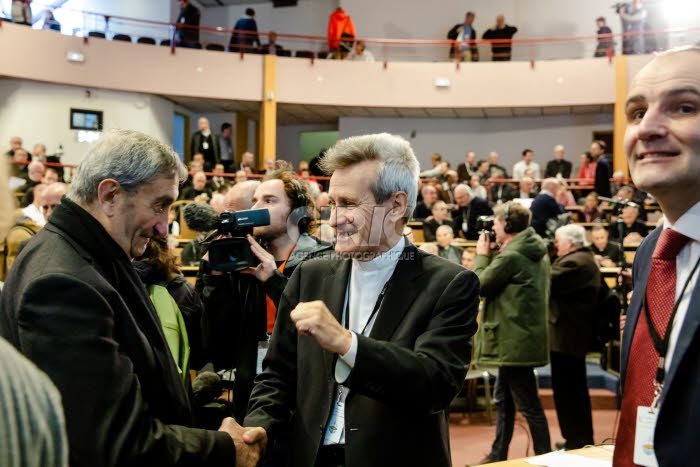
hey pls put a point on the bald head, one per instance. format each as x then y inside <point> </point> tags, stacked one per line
<point>551,185</point>
<point>240,196</point>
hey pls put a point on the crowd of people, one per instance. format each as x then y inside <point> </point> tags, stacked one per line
<point>332,353</point>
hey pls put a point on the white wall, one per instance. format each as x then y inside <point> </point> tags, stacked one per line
<point>40,113</point>
<point>453,138</point>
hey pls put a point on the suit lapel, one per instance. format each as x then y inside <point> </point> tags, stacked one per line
<point>333,292</point>
<point>399,295</point>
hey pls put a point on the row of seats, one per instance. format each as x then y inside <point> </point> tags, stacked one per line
<point>210,46</point>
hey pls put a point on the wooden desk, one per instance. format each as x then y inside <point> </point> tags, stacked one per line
<point>604,452</point>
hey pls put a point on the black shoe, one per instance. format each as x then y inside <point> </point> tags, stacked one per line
<point>485,460</point>
<point>559,445</point>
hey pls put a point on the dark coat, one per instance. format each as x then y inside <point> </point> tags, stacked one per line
<point>676,432</point>
<point>543,208</point>
<point>430,228</point>
<point>555,167</point>
<point>406,373</point>
<point>75,307</point>
<point>212,155</point>
<point>453,34</point>
<point>477,207</point>
<point>602,177</point>
<point>572,302</point>
<point>508,192</point>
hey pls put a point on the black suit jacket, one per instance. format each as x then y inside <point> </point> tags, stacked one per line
<point>406,373</point>
<point>676,436</point>
<point>212,156</point>
<point>555,167</point>
<point>543,208</point>
<point>508,192</point>
<point>74,305</point>
<point>572,302</point>
<point>477,207</point>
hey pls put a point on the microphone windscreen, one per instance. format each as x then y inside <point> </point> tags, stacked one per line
<point>206,387</point>
<point>200,217</point>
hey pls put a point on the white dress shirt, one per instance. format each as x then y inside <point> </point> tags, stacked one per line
<point>367,279</point>
<point>35,214</point>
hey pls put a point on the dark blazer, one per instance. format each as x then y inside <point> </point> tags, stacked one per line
<point>452,34</point>
<point>554,167</point>
<point>602,177</point>
<point>507,193</point>
<point>477,207</point>
<point>406,372</point>
<point>212,156</point>
<point>543,208</point>
<point>572,302</point>
<point>464,172</point>
<point>637,226</point>
<point>75,306</point>
<point>430,228</point>
<point>677,431</point>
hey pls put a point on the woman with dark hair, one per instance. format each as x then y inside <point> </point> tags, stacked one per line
<point>588,165</point>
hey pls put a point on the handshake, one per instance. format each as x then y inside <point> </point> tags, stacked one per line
<point>250,442</point>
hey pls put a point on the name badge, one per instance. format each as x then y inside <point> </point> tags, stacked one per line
<point>644,437</point>
<point>262,351</point>
<point>336,425</point>
<point>465,227</point>
<point>205,145</point>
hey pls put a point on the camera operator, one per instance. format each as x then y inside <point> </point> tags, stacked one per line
<point>240,307</point>
<point>515,284</point>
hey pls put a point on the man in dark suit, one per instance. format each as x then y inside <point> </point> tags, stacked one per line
<point>603,171</point>
<point>272,47</point>
<point>74,305</point>
<point>187,25</point>
<point>544,207</point>
<point>558,167</point>
<point>663,152</point>
<point>206,143</point>
<point>572,302</point>
<point>369,347</point>
<point>468,210</point>
<point>501,193</point>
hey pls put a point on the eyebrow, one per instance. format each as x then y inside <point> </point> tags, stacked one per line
<point>635,99</point>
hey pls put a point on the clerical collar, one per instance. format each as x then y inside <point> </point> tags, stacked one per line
<point>386,260</point>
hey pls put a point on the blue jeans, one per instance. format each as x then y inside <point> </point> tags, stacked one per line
<point>516,387</point>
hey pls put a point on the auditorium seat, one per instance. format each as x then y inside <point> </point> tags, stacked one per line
<point>165,42</point>
<point>304,54</point>
<point>284,53</point>
<point>122,37</point>
<point>217,47</point>
<point>99,34</point>
<point>146,40</point>
<point>322,54</point>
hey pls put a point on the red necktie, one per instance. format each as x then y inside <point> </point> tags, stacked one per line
<point>643,357</point>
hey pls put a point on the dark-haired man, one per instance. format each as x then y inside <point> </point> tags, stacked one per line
<point>602,168</point>
<point>187,25</point>
<point>103,346</point>
<point>245,31</point>
<point>227,157</point>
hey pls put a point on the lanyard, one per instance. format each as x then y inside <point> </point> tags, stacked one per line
<point>661,346</point>
<point>377,305</point>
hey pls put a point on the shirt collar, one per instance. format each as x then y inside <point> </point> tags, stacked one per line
<point>688,223</point>
<point>385,261</point>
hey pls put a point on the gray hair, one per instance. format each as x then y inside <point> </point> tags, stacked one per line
<point>129,157</point>
<point>397,164</point>
<point>573,232</point>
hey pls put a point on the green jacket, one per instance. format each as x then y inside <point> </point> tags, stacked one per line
<point>515,285</point>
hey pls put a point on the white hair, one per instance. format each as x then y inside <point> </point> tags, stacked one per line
<point>575,233</point>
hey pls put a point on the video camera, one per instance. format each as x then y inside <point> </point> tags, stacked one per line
<point>231,253</point>
<point>484,225</point>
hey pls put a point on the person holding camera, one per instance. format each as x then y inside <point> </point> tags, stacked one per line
<point>515,283</point>
<point>241,307</point>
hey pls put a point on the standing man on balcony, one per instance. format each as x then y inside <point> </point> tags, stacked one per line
<point>246,31</point>
<point>204,142</point>
<point>464,48</point>
<point>187,26</point>
<point>500,48</point>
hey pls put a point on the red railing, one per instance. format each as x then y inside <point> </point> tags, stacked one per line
<point>385,50</point>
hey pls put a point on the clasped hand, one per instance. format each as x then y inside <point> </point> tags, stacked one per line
<point>250,442</point>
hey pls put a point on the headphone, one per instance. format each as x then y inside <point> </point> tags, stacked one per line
<point>299,197</point>
<point>506,210</point>
<point>299,205</point>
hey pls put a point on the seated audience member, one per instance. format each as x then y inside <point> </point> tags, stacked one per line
<point>468,210</point>
<point>22,230</point>
<point>241,176</point>
<point>564,196</point>
<point>198,191</point>
<point>52,198</point>
<point>217,202</point>
<point>526,188</point>
<point>588,164</point>
<point>360,53</point>
<point>272,47</point>
<point>218,182</point>
<point>520,167</point>
<point>468,256</point>
<point>475,187</point>
<point>192,253</point>
<point>467,168</point>
<point>482,169</point>
<point>627,194</point>
<point>444,237</point>
<point>545,207</point>
<point>36,172</point>
<point>617,182</point>
<point>173,223</point>
<point>431,248</point>
<point>436,170</point>
<point>447,188</point>
<point>591,211</point>
<point>631,229</point>
<point>430,195</point>
<point>440,216</point>
<point>18,170</point>
<point>34,211</point>
<point>496,170</point>
<point>103,346</point>
<point>558,167</point>
<point>501,192</point>
<point>50,176</point>
<point>607,254</point>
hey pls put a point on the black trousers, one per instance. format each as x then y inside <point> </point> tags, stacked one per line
<point>571,399</point>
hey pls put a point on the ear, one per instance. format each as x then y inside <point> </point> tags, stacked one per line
<point>399,205</point>
<point>108,193</point>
